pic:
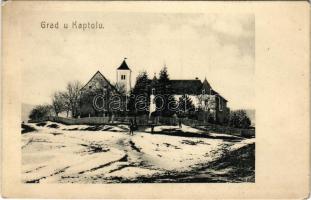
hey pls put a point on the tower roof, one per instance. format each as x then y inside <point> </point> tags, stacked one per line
<point>206,85</point>
<point>124,66</point>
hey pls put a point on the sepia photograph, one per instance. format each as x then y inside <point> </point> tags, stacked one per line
<point>147,100</point>
<point>155,100</point>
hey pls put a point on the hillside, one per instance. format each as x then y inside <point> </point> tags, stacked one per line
<point>111,155</point>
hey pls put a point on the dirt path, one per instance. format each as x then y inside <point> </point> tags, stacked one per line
<point>134,154</point>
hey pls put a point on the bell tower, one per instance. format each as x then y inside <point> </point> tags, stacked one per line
<point>124,76</point>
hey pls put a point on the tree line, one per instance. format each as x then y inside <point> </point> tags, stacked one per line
<point>166,104</point>
<point>69,101</point>
<point>62,101</point>
<point>182,107</point>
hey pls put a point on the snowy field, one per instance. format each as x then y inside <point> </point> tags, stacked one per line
<point>57,153</point>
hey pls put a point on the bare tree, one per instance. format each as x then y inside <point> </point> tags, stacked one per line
<point>66,102</point>
<point>58,102</point>
<point>121,88</point>
<point>72,96</point>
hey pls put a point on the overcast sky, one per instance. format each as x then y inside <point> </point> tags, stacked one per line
<point>218,47</point>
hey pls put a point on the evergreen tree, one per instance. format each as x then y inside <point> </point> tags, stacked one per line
<point>164,90</point>
<point>164,86</point>
<point>139,100</point>
<point>185,106</point>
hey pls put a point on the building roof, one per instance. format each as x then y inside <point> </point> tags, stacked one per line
<point>186,86</point>
<point>103,78</point>
<point>123,66</point>
<point>194,86</point>
<point>216,93</point>
<point>206,85</point>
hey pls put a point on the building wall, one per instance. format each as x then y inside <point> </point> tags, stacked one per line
<point>209,104</point>
<point>215,106</point>
<point>98,85</point>
<point>127,81</point>
<point>222,111</point>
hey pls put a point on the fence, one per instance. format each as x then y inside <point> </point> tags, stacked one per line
<point>145,121</point>
<point>99,120</point>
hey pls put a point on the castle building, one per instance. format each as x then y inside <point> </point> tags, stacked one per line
<point>202,95</point>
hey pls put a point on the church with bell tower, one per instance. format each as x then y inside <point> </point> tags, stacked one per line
<point>98,92</point>
<point>124,76</point>
<point>100,82</point>
<point>101,89</point>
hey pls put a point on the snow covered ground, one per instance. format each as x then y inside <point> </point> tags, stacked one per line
<point>57,153</point>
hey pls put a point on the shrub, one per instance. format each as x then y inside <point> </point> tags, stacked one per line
<point>40,112</point>
<point>239,119</point>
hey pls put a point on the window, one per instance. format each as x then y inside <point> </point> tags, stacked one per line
<point>220,104</point>
<point>122,77</point>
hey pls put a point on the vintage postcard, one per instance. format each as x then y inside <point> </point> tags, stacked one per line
<point>155,99</point>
